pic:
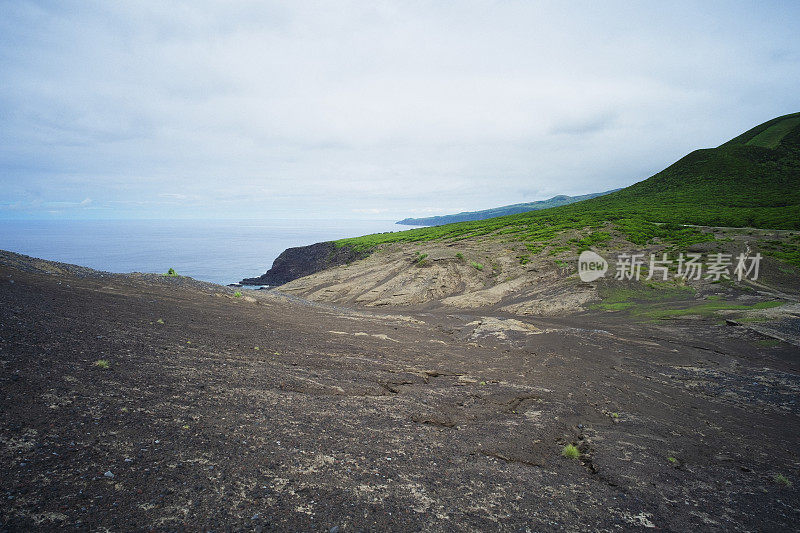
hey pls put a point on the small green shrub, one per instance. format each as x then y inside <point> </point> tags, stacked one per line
<point>171,273</point>
<point>237,294</point>
<point>160,321</point>
<point>476,266</point>
<point>571,451</point>
<point>558,249</point>
<point>524,259</point>
<point>534,248</point>
<point>460,256</point>
<point>102,363</point>
<point>782,480</point>
<point>672,460</point>
<point>421,259</point>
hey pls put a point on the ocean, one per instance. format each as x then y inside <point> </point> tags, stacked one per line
<point>220,251</point>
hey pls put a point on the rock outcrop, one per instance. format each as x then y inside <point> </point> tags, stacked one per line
<point>302,261</point>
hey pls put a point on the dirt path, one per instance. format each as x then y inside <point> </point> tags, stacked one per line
<point>268,413</point>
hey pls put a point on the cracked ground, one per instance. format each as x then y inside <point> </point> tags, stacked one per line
<point>265,412</point>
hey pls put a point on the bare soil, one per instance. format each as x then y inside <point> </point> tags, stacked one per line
<point>269,412</point>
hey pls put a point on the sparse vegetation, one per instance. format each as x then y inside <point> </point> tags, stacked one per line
<point>421,259</point>
<point>672,460</point>
<point>160,321</point>
<point>768,343</point>
<point>571,451</point>
<point>558,249</point>
<point>460,256</point>
<point>707,309</point>
<point>475,265</point>
<point>782,480</point>
<point>656,300</point>
<point>103,364</point>
<point>595,239</point>
<point>784,250</point>
<point>237,294</point>
<point>171,273</point>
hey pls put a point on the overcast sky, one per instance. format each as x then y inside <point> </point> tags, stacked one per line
<point>369,109</point>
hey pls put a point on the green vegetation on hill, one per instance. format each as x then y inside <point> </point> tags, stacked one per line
<point>513,209</point>
<point>751,181</point>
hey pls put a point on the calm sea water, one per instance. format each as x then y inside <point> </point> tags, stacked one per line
<point>223,251</point>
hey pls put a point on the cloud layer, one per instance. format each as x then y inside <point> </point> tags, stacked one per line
<point>369,109</point>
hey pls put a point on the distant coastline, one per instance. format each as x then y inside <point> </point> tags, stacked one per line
<point>513,209</point>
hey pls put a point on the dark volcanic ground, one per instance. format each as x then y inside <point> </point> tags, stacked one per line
<point>268,413</point>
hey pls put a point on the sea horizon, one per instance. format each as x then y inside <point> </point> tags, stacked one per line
<point>220,251</point>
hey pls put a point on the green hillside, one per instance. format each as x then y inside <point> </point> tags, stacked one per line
<point>512,209</point>
<point>752,180</point>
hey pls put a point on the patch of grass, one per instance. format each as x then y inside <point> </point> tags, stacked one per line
<point>524,259</point>
<point>460,256</point>
<point>617,298</point>
<point>561,264</point>
<point>707,309</point>
<point>672,460</point>
<point>571,451</point>
<point>665,300</point>
<point>595,239</point>
<point>558,249</point>
<point>476,266</point>
<point>102,363</point>
<point>421,259</point>
<point>782,480</point>
<point>160,321</point>
<point>614,415</point>
<point>171,273</point>
<point>785,251</point>
<point>237,294</point>
<point>768,343</point>
<point>534,248</point>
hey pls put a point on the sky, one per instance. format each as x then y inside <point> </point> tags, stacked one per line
<point>371,109</point>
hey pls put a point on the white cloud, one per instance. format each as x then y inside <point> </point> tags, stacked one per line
<point>273,107</point>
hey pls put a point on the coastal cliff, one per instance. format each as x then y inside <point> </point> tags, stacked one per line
<point>302,261</point>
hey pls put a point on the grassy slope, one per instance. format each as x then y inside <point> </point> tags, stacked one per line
<point>751,181</point>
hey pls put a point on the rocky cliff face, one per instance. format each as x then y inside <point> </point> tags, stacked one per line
<point>302,261</point>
